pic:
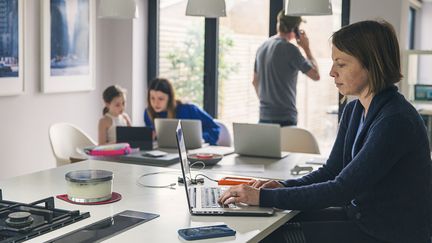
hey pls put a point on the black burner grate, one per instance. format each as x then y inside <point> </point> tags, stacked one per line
<point>44,218</point>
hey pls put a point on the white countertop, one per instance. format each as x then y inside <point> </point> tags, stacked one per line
<point>170,204</point>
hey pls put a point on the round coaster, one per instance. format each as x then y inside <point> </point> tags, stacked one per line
<point>114,198</point>
<point>206,158</point>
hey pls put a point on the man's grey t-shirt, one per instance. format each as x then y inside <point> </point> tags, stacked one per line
<point>277,64</point>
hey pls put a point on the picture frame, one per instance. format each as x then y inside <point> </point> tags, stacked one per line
<point>12,48</point>
<point>68,45</point>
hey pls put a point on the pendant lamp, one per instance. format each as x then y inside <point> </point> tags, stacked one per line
<point>308,7</point>
<point>206,8</point>
<point>118,9</point>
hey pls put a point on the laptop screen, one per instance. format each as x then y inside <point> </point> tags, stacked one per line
<point>165,128</point>
<point>137,137</point>
<point>257,139</point>
<point>183,159</point>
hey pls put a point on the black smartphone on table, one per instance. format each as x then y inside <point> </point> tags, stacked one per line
<point>206,232</point>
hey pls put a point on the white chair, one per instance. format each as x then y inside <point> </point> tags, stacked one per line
<point>65,138</point>
<point>295,139</point>
<point>224,135</point>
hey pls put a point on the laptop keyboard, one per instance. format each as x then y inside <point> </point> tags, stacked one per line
<point>209,197</point>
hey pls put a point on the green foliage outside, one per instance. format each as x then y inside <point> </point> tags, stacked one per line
<point>187,66</point>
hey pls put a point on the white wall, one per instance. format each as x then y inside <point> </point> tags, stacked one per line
<point>122,55</point>
<point>139,65</point>
<point>24,142</point>
<point>423,42</point>
<point>393,11</point>
<point>424,33</point>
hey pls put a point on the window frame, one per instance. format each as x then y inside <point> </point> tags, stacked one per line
<point>411,27</point>
<point>346,5</point>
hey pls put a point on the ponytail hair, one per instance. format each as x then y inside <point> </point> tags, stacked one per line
<point>110,93</point>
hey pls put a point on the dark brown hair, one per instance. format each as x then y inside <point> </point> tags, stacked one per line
<point>110,93</point>
<point>287,23</point>
<point>164,86</point>
<point>375,45</point>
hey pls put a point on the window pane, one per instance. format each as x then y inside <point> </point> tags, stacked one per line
<point>317,102</point>
<point>240,34</point>
<point>181,50</point>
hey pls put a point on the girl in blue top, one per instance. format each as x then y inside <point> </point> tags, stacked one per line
<point>163,104</point>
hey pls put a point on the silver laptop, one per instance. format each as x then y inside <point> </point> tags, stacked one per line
<point>261,140</point>
<point>166,129</point>
<point>202,200</point>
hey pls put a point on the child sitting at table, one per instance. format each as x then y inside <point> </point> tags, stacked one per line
<point>113,114</point>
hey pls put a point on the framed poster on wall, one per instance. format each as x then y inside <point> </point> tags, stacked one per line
<point>11,47</point>
<point>68,44</point>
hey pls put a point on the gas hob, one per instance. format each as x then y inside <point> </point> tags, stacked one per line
<point>23,221</point>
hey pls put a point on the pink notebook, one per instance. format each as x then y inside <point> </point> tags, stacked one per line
<point>109,150</point>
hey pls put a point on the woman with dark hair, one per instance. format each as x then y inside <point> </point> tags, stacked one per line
<point>162,103</point>
<point>376,183</point>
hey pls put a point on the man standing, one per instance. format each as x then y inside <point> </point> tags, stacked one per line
<point>276,69</point>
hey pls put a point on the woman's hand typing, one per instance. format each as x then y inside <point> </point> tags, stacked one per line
<point>265,184</point>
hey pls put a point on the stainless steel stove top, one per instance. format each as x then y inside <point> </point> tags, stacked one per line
<point>23,221</point>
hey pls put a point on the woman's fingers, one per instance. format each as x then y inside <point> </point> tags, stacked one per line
<point>232,192</point>
<point>271,184</point>
<point>258,183</point>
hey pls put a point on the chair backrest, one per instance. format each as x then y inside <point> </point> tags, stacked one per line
<point>65,138</point>
<point>224,135</point>
<point>295,139</point>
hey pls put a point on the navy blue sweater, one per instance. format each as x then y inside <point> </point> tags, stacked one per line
<point>210,129</point>
<point>386,186</point>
